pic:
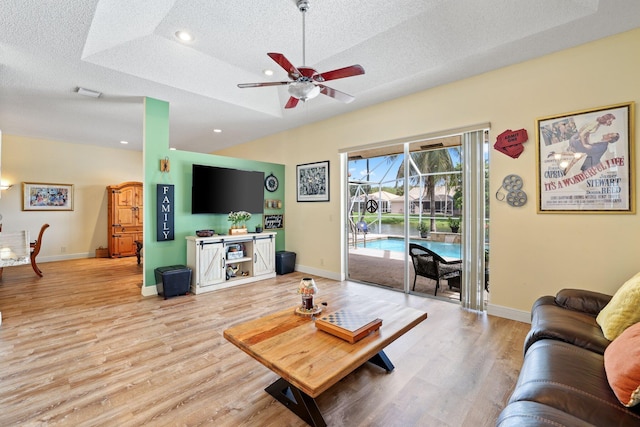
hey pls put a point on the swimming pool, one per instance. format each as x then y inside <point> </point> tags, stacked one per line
<point>394,244</point>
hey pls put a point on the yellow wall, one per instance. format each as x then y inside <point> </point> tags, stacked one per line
<point>89,168</point>
<point>531,254</point>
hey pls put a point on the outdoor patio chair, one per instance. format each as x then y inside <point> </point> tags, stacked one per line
<point>429,264</point>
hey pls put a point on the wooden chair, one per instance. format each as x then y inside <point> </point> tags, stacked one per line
<point>35,250</point>
<point>429,264</point>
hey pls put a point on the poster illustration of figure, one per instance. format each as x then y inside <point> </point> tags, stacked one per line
<point>585,161</point>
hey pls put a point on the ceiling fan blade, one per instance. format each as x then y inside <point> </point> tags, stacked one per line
<point>336,94</point>
<point>284,63</point>
<point>340,73</point>
<point>292,102</point>
<point>243,85</point>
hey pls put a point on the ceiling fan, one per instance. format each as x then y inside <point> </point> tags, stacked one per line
<point>306,83</point>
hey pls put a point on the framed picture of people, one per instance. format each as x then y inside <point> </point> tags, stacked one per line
<point>312,181</point>
<point>586,161</point>
<point>47,197</point>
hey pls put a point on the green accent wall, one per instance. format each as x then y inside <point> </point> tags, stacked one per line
<point>156,148</point>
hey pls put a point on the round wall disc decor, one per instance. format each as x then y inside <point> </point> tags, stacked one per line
<point>271,183</point>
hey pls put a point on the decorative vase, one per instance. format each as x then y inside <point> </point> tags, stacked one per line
<point>307,290</point>
<point>238,229</point>
<point>238,221</point>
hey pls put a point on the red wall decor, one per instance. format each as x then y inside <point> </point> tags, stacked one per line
<point>510,142</point>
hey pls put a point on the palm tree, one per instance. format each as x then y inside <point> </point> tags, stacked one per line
<point>428,162</point>
<point>454,181</point>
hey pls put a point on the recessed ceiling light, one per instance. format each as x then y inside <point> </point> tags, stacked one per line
<point>184,36</point>
<point>172,148</point>
<point>268,72</point>
<point>88,92</point>
<point>217,130</point>
<point>124,142</point>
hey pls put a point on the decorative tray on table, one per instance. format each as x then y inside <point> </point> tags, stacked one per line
<point>306,312</point>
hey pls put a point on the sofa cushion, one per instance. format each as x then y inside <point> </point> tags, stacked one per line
<point>572,380</point>
<point>551,321</point>
<point>622,311</point>
<point>622,365</point>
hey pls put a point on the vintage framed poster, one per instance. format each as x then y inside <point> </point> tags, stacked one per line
<point>312,181</point>
<point>47,197</point>
<point>586,161</point>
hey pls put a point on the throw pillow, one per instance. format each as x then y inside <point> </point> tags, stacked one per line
<point>622,366</point>
<point>622,311</point>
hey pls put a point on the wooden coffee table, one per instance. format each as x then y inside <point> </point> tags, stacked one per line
<point>310,361</point>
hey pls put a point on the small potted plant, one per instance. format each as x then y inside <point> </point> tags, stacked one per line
<point>423,228</point>
<point>454,224</point>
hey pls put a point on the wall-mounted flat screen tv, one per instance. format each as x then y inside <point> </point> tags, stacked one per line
<point>222,190</point>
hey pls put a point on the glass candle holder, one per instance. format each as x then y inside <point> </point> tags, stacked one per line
<point>307,290</point>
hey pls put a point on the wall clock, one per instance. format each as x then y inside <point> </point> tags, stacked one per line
<point>271,183</point>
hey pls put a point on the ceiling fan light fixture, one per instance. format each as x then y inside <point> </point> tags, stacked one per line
<point>303,90</point>
<point>305,82</point>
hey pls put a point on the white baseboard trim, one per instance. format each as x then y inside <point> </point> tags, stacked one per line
<point>52,258</point>
<point>509,313</point>
<point>493,310</point>
<point>148,291</point>
<point>317,272</point>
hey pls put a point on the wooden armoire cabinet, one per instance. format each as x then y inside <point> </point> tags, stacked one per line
<point>125,218</point>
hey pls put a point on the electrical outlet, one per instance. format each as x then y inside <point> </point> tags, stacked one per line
<point>63,249</point>
<point>321,261</point>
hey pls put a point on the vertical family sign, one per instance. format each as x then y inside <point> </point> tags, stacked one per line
<point>165,216</point>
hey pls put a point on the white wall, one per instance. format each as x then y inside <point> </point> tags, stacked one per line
<point>89,168</point>
<point>531,254</point>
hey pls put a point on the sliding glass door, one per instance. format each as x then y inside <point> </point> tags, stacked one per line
<point>376,221</point>
<point>410,199</point>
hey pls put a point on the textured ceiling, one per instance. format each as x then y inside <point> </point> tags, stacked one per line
<point>126,49</point>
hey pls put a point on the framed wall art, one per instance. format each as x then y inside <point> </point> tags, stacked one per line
<point>47,197</point>
<point>273,221</point>
<point>312,180</point>
<point>586,161</point>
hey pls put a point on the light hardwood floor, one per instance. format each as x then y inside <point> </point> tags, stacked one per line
<point>81,347</point>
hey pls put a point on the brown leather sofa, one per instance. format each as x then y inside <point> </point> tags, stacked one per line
<point>563,381</point>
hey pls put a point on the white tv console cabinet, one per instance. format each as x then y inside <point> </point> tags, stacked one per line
<point>228,260</point>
